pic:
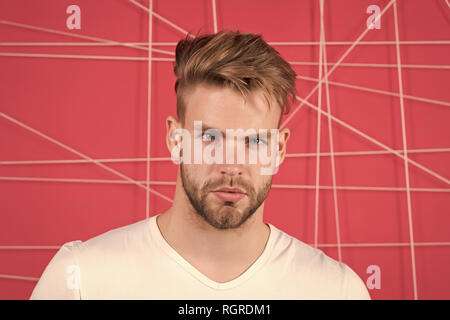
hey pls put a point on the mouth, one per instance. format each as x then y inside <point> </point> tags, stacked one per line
<point>229,194</point>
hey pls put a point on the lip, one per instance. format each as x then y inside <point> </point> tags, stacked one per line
<point>229,189</point>
<point>229,194</point>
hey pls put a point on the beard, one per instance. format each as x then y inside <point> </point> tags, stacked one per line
<point>223,214</point>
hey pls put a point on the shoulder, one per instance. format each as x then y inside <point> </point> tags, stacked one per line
<point>303,255</point>
<point>61,278</point>
<point>112,241</point>
<point>313,268</point>
<point>120,238</point>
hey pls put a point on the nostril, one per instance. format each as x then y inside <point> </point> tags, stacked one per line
<point>231,170</point>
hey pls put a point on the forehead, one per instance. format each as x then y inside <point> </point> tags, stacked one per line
<point>226,108</point>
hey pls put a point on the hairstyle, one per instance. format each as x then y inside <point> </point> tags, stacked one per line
<point>243,61</point>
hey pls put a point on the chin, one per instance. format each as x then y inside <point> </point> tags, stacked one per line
<point>222,212</point>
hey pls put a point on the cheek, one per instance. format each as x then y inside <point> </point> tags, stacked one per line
<point>259,180</point>
<point>253,172</point>
<point>197,172</point>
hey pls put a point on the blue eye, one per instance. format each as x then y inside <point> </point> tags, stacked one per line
<point>255,141</point>
<point>207,136</point>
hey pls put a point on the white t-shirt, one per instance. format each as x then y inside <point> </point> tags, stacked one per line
<point>136,262</point>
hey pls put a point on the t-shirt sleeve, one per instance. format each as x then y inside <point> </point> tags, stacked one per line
<point>61,279</point>
<point>355,289</point>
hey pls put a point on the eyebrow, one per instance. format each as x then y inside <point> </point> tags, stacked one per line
<point>206,127</point>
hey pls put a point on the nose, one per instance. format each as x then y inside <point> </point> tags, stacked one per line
<point>230,167</point>
<point>231,170</point>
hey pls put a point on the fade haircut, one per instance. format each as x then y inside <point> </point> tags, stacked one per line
<point>242,61</point>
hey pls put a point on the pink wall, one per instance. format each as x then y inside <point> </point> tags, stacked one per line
<point>99,108</point>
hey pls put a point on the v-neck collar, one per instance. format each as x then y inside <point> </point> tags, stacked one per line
<point>260,261</point>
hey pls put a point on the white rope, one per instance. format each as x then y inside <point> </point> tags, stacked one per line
<point>7,276</point>
<point>388,244</point>
<point>214,15</point>
<point>330,135</point>
<point>405,152</point>
<point>29,247</point>
<point>70,56</point>
<point>359,188</point>
<point>344,43</point>
<point>288,155</point>
<point>149,108</point>
<point>374,65</point>
<point>74,35</point>
<point>77,44</point>
<point>388,93</point>
<point>78,56</point>
<point>319,105</point>
<point>301,43</point>
<point>360,153</point>
<point>172,183</point>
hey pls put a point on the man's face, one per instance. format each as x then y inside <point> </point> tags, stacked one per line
<point>226,194</point>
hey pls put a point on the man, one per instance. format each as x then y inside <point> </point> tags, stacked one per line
<point>212,243</point>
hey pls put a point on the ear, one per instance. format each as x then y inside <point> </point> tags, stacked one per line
<point>171,125</point>
<point>283,137</point>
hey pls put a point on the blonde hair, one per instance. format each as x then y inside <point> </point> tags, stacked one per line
<point>243,61</point>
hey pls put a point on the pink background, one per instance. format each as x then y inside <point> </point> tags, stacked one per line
<point>99,108</point>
